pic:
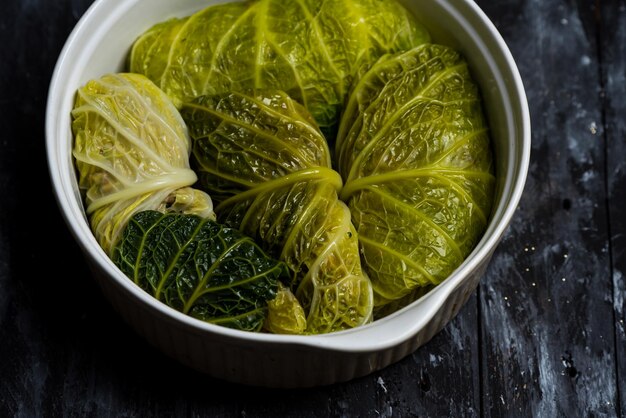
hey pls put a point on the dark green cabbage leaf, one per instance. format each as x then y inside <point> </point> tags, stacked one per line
<point>312,49</point>
<point>262,158</point>
<point>200,268</point>
<point>414,150</point>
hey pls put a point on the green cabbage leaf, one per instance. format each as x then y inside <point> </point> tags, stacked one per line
<point>131,149</point>
<point>311,49</point>
<point>200,268</point>
<point>262,158</point>
<point>414,150</point>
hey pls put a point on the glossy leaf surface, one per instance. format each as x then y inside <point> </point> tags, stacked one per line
<point>200,268</point>
<point>414,149</point>
<point>312,49</point>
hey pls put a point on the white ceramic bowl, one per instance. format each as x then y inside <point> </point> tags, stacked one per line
<point>99,45</point>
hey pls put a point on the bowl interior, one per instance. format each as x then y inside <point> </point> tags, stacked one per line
<point>100,44</point>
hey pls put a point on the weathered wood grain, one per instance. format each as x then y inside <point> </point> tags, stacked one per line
<point>546,309</point>
<point>613,63</point>
<point>440,379</point>
<point>544,337</point>
<point>37,304</point>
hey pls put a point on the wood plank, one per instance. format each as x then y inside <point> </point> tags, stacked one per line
<point>35,305</point>
<point>444,379</point>
<point>547,319</point>
<point>613,64</point>
<point>439,379</point>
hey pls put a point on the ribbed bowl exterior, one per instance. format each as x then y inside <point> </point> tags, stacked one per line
<point>271,365</point>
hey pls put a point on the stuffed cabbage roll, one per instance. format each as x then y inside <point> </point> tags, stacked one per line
<point>131,149</point>
<point>311,49</point>
<point>414,150</point>
<point>132,154</point>
<point>263,159</point>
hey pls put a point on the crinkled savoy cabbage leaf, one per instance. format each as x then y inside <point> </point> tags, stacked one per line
<point>412,147</point>
<point>131,150</point>
<point>312,49</point>
<point>201,268</point>
<point>415,152</point>
<point>269,165</point>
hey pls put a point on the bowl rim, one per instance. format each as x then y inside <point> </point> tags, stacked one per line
<point>369,336</point>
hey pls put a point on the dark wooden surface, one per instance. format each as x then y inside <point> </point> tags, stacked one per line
<point>543,335</point>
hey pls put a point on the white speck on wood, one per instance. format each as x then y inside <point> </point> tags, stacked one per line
<point>381,383</point>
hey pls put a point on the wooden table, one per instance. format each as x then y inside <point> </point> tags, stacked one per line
<point>543,335</point>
